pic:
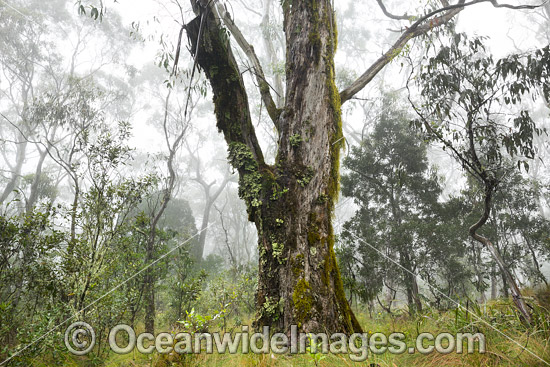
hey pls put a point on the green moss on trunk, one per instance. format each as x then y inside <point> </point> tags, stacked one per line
<point>303,301</point>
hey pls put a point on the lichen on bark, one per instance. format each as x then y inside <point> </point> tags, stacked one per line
<point>291,202</point>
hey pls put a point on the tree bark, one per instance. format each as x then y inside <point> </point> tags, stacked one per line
<point>411,285</point>
<point>291,202</point>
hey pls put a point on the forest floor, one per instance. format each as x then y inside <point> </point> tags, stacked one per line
<point>508,343</point>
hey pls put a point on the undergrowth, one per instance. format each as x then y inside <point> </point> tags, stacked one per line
<point>509,342</point>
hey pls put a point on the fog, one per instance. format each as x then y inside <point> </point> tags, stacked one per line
<point>112,160</point>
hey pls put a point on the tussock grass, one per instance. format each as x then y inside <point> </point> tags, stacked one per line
<point>506,337</point>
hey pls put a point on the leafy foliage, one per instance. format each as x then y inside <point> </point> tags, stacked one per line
<point>399,215</point>
<point>476,106</point>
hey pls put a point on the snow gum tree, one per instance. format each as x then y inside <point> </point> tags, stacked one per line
<point>292,201</point>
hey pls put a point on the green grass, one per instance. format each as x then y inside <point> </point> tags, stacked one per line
<point>493,320</point>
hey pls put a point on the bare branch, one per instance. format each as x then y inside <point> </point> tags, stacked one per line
<point>272,109</point>
<point>516,7</point>
<point>271,53</point>
<point>390,15</point>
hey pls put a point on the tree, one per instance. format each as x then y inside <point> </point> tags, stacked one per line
<point>34,70</point>
<point>210,197</point>
<point>21,54</point>
<point>174,128</point>
<point>30,277</point>
<point>292,201</point>
<point>399,215</point>
<point>520,231</point>
<point>523,225</point>
<point>464,89</point>
<point>238,236</point>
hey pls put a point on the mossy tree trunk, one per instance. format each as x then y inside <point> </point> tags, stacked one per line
<point>291,202</point>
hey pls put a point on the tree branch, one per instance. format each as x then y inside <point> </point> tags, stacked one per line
<point>264,86</point>
<point>249,8</point>
<point>516,7</point>
<point>271,53</point>
<point>420,27</point>
<point>218,62</point>
<point>390,15</point>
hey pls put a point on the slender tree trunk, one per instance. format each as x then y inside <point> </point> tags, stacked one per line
<point>150,276</point>
<point>416,294</point>
<point>390,294</point>
<point>505,291</point>
<point>209,198</point>
<point>538,271</point>
<point>33,196</point>
<point>411,284</point>
<point>149,299</point>
<point>507,278</point>
<point>203,230</point>
<point>292,202</point>
<point>405,257</point>
<point>494,284</point>
<point>479,276</point>
<point>74,216</point>
<point>16,174</point>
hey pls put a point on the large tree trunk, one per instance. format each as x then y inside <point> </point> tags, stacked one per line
<point>292,202</point>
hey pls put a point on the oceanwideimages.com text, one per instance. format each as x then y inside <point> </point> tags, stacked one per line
<point>80,339</point>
